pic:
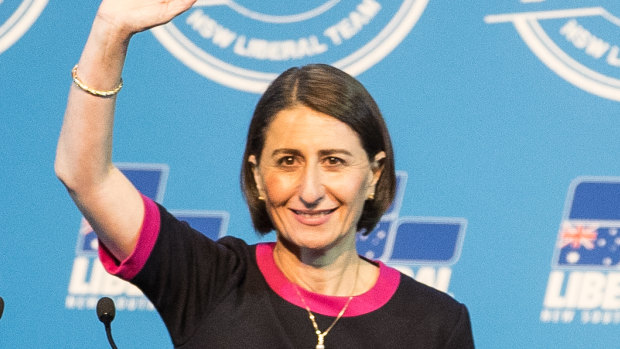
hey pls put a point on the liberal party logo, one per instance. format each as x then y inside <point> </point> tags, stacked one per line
<point>89,281</point>
<point>16,17</point>
<point>422,247</point>
<point>584,284</point>
<point>245,44</point>
<point>579,41</point>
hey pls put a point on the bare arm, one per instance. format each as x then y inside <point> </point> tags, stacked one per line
<point>105,196</point>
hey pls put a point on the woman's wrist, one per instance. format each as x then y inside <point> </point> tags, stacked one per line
<point>110,35</point>
<point>103,57</point>
<point>108,24</point>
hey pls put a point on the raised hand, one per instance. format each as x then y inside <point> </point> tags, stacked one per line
<point>128,17</point>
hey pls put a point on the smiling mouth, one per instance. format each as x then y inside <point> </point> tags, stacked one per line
<point>313,213</point>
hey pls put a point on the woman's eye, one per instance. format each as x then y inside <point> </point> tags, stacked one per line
<point>334,161</point>
<point>286,161</point>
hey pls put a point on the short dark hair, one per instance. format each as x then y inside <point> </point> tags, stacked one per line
<point>330,91</point>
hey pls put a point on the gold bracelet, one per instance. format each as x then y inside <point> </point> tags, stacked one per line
<point>92,91</point>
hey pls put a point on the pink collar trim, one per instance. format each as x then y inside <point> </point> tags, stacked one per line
<point>373,299</point>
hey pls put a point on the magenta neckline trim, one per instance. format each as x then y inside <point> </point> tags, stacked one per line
<point>373,299</point>
<point>149,231</point>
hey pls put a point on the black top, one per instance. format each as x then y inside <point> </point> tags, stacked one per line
<point>213,295</point>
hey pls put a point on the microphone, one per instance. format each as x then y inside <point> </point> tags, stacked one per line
<point>1,307</point>
<point>106,313</point>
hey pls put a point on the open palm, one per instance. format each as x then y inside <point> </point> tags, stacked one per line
<point>132,16</point>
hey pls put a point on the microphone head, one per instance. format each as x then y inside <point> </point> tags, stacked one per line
<point>106,310</point>
<point>1,306</point>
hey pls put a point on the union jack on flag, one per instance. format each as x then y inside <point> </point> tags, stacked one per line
<point>589,233</point>
<point>577,236</point>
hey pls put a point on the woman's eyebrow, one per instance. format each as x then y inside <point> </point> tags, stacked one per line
<point>326,152</point>
<point>322,152</point>
<point>285,151</point>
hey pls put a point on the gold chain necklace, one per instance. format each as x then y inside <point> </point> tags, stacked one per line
<point>321,335</point>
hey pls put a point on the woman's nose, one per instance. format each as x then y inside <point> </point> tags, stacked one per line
<point>311,190</point>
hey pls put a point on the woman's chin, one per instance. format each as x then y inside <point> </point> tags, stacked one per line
<point>319,243</point>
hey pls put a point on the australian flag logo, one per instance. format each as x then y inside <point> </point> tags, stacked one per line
<point>588,235</point>
<point>433,241</point>
<point>150,180</point>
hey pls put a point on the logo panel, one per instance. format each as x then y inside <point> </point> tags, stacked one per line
<point>246,44</point>
<point>16,17</point>
<point>584,284</point>
<point>581,44</point>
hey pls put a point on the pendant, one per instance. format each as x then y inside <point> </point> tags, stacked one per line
<point>320,336</point>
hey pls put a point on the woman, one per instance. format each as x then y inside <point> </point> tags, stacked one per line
<point>318,168</point>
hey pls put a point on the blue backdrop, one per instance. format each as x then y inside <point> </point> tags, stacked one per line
<point>505,118</point>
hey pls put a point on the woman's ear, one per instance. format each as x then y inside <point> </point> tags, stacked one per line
<point>258,179</point>
<point>376,168</point>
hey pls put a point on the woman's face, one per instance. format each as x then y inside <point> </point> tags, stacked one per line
<point>314,176</point>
